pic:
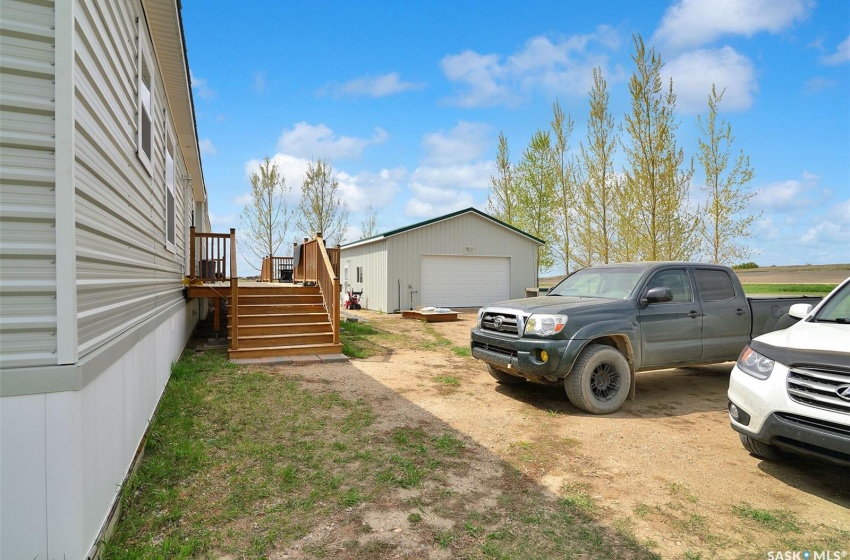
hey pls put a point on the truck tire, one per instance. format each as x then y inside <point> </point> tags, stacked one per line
<point>600,380</point>
<point>503,377</point>
<point>762,450</point>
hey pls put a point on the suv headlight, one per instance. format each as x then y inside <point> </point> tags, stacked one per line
<point>755,364</point>
<point>545,325</point>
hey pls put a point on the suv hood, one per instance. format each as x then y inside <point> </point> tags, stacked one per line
<point>827,337</point>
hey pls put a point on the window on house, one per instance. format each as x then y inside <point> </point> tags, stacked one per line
<point>144,101</point>
<point>169,195</point>
<point>359,274</point>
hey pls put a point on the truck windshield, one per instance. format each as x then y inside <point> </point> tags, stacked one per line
<point>837,309</point>
<point>614,283</point>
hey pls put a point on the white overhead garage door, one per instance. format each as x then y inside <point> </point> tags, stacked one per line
<point>462,281</point>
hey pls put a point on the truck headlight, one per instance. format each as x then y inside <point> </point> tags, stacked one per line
<point>753,363</point>
<point>480,314</point>
<point>545,325</point>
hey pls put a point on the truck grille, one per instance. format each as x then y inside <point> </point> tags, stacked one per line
<point>818,386</point>
<point>504,322</point>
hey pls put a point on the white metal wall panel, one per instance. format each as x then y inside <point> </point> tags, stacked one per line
<point>27,179</point>
<point>468,235</point>
<point>124,271</point>
<point>373,259</point>
<point>461,281</point>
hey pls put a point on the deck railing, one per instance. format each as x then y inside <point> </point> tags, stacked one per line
<point>208,261</point>
<point>320,265</point>
<point>276,269</point>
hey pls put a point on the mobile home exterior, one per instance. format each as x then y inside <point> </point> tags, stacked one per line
<point>463,259</point>
<point>100,180</point>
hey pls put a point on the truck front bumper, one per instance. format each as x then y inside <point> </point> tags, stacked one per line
<point>525,357</point>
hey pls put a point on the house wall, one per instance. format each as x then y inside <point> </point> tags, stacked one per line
<point>452,237</point>
<point>373,258</point>
<point>92,314</point>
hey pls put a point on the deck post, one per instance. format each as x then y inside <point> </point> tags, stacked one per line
<point>234,294</point>
<point>192,252</point>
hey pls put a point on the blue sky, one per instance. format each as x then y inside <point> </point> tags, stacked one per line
<point>407,99</point>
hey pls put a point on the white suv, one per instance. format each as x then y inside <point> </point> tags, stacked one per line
<point>790,389</point>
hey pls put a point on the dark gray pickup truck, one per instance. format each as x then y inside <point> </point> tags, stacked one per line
<point>601,325</point>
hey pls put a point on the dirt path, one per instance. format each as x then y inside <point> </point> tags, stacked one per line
<point>667,467</point>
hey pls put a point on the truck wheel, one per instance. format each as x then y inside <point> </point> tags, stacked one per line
<point>503,377</point>
<point>600,380</point>
<point>762,450</point>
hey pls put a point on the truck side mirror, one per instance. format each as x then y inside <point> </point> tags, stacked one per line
<point>800,310</point>
<point>658,295</point>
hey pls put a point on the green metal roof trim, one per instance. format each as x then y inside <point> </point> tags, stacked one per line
<point>439,219</point>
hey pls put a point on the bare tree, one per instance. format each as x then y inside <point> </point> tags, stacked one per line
<point>321,208</point>
<point>725,218</point>
<point>369,226</point>
<point>501,203</point>
<point>535,184</point>
<point>565,178</point>
<point>265,219</point>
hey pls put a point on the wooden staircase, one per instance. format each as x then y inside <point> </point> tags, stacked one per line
<point>276,321</point>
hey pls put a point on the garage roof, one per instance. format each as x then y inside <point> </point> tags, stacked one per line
<point>381,236</point>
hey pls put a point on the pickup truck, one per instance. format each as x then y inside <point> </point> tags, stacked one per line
<point>790,389</point>
<point>600,325</point>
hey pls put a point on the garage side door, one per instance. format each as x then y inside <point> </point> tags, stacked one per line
<point>460,281</point>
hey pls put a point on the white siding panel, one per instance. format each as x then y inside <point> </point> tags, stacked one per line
<point>124,271</point>
<point>27,183</point>
<point>461,281</point>
<point>23,528</point>
<point>373,258</point>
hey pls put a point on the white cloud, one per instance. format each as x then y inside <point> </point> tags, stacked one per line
<point>429,202</point>
<point>694,72</point>
<point>319,141</point>
<point>817,85</point>
<point>377,86</point>
<point>464,176</point>
<point>206,146</point>
<point>201,87</point>
<point>293,169</point>
<point>217,221</point>
<point>788,195</point>
<point>560,67</point>
<point>465,142</point>
<point>365,188</point>
<point>840,56</point>
<point>692,23</point>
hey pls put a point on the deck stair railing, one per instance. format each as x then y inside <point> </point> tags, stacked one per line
<point>277,269</point>
<point>319,265</point>
<point>208,260</point>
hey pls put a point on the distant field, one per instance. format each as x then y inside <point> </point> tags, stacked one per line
<point>788,289</point>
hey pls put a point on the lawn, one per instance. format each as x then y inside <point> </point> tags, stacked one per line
<point>250,462</point>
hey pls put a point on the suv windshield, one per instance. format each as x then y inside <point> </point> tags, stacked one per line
<point>614,283</point>
<point>837,309</point>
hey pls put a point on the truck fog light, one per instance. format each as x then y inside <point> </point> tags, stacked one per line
<point>733,411</point>
<point>544,356</point>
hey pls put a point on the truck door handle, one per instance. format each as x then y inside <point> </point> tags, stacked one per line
<point>694,314</point>
<point>739,311</point>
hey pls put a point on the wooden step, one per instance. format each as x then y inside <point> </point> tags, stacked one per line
<point>271,309</point>
<point>281,318</point>
<point>287,340</point>
<point>284,328</point>
<point>278,290</point>
<point>273,352</point>
<point>315,299</point>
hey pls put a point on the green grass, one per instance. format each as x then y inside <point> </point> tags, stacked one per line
<point>357,340</point>
<point>242,462</point>
<point>789,289</point>
<point>779,521</point>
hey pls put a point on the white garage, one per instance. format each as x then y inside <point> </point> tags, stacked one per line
<point>464,281</point>
<point>463,259</point>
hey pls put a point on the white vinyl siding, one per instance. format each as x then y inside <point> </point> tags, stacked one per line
<point>461,281</point>
<point>28,321</point>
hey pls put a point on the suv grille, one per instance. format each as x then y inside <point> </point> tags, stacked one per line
<point>504,322</point>
<point>818,386</point>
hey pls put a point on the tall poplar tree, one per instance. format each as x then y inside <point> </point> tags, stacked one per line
<point>598,187</point>
<point>321,208</point>
<point>265,218</point>
<point>656,183</point>
<point>725,220</point>
<point>535,185</point>
<point>369,225</point>
<point>564,195</point>
<point>501,202</point>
